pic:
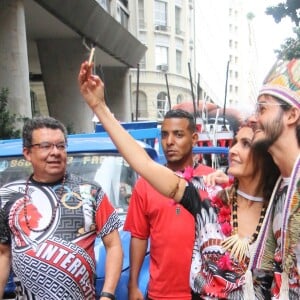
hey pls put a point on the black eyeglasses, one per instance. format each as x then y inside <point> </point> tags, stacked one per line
<point>47,146</point>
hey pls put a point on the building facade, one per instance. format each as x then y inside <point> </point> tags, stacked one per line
<point>243,58</point>
<point>43,43</point>
<point>211,43</point>
<point>163,79</point>
<point>151,54</point>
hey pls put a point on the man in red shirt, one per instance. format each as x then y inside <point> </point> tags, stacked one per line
<point>170,227</point>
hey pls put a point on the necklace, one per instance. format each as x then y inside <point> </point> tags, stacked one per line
<point>27,198</point>
<point>239,247</point>
<point>249,197</point>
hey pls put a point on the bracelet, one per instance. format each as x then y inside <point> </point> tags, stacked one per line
<point>108,295</point>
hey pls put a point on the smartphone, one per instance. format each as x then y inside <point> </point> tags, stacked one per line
<point>91,56</point>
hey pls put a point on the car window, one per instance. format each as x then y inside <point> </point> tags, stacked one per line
<point>111,171</point>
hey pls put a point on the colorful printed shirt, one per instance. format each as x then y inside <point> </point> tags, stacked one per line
<point>210,278</point>
<point>294,272</point>
<point>53,248</point>
<point>279,246</point>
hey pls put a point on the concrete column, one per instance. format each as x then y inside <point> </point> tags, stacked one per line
<point>118,92</point>
<point>60,60</point>
<point>14,73</point>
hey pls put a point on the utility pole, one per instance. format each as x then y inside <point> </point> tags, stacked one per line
<point>192,91</point>
<point>167,84</point>
<point>225,98</point>
<point>137,93</point>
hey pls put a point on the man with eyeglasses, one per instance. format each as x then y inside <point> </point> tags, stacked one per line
<point>49,223</point>
<point>277,119</point>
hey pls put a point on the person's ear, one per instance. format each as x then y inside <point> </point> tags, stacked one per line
<point>195,138</point>
<point>27,153</point>
<point>293,116</point>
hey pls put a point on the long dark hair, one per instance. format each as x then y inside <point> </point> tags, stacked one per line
<point>263,166</point>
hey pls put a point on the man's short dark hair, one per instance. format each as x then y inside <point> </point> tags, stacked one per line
<point>182,114</point>
<point>40,122</point>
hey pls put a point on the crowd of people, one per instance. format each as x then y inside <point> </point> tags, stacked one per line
<point>212,235</point>
<point>270,255</point>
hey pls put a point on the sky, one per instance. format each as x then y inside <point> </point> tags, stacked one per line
<point>269,35</point>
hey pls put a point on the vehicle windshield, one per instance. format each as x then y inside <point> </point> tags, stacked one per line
<point>111,171</point>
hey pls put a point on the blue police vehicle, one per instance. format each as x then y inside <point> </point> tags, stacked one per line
<point>95,157</point>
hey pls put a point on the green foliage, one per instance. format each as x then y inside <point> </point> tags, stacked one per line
<point>289,8</point>
<point>7,120</point>
<point>291,47</point>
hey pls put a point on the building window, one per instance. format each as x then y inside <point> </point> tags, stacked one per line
<point>160,14</point>
<point>105,4</point>
<point>161,58</point>
<point>178,61</point>
<point>236,89</point>
<point>122,16</point>
<point>179,99</point>
<point>236,74</point>
<point>230,43</point>
<point>125,2</point>
<point>34,103</point>
<point>143,62</point>
<point>178,20</point>
<point>162,104</point>
<point>142,24</point>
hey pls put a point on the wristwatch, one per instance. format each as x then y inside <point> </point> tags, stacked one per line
<point>108,295</point>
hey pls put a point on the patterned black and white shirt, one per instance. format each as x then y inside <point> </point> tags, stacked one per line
<point>57,262</point>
